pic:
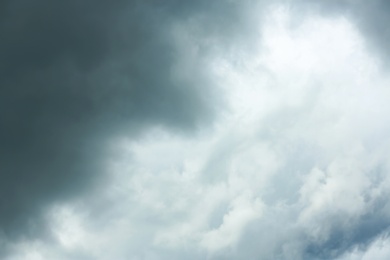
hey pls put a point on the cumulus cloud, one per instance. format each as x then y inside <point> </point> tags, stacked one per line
<point>124,150</point>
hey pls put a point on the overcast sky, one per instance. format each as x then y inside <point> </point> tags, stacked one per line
<point>169,130</point>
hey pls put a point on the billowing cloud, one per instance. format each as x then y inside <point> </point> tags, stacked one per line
<point>224,130</point>
<point>76,74</point>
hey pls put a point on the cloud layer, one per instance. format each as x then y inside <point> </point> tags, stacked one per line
<point>196,130</point>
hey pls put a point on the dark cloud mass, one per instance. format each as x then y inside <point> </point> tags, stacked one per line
<point>77,75</point>
<point>72,75</point>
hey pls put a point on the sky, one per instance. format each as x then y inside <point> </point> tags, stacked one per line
<point>178,129</point>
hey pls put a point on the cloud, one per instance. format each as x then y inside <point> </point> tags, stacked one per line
<point>379,249</point>
<point>76,74</point>
<point>370,18</point>
<point>295,167</point>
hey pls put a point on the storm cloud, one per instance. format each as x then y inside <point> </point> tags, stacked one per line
<point>75,74</point>
<point>194,129</point>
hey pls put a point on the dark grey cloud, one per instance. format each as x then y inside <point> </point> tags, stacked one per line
<point>362,234</point>
<point>373,18</point>
<point>74,74</point>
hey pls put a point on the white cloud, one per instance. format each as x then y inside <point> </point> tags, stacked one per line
<point>378,250</point>
<point>242,210</point>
